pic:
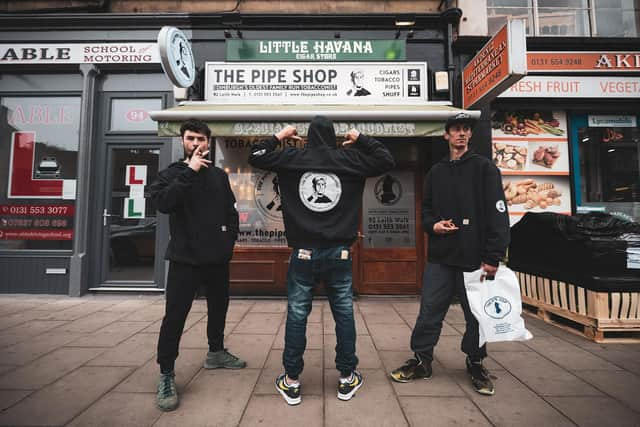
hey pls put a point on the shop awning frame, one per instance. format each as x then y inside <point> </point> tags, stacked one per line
<point>254,120</point>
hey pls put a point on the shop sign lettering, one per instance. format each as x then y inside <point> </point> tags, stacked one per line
<point>316,50</point>
<point>341,128</point>
<point>538,62</point>
<point>42,114</point>
<point>79,53</point>
<point>574,87</point>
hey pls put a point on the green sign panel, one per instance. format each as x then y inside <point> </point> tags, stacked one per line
<point>316,50</point>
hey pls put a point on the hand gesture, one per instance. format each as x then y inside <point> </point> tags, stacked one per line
<point>198,160</point>
<point>445,226</point>
<point>289,132</point>
<point>351,137</point>
<point>489,271</point>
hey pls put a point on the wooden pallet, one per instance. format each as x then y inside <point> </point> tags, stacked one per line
<point>598,316</point>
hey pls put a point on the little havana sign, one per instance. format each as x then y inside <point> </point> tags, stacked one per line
<point>316,83</point>
<point>315,50</point>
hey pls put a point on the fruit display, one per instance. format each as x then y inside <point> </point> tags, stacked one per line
<point>531,194</point>
<point>526,123</point>
<point>507,156</point>
<point>546,156</point>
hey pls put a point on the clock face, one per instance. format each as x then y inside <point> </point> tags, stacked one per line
<point>176,56</point>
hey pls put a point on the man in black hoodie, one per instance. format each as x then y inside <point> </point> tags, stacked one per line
<point>466,217</point>
<point>321,188</point>
<point>203,223</point>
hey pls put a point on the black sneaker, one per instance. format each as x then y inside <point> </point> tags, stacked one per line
<point>291,393</point>
<point>411,370</point>
<point>347,389</point>
<point>479,377</point>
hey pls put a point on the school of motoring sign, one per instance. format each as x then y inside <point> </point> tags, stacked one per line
<point>315,50</point>
<point>79,53</point>
<point>316,83</point>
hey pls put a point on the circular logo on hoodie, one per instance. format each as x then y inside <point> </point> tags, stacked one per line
<point>319,192</point>
<point>267,196</point>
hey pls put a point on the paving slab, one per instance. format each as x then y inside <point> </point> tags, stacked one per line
<point>18,318</point>
<point>117,409</point>
<point>449,354</point>
<point>625,359</point>
<point>390,337</point>
<point>76,311</point>
<point>260,323</point>
<point>134,351</point>
<point>192,318</point>
<point>278,306</point>
<point>61,401</point>
<point>132,304</point>
<point>514,404</point>
<point>48,368</point>
<point>213,398</point>
<point>110,335</point>
<point>442,411</point>
<point>11,397</point>
<point>373,405</point>
<point>92,322</point>
<point>543,376</point>
<point>595,411</point>
<point>27,330</point>
<point>379,312</point>
<point>150,313</point>
<point>253,349</point>
<point>29,350</point>
<point>273,410</point>
<point>620,385</point>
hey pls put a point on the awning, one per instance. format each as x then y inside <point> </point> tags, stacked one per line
<point>264,120</point>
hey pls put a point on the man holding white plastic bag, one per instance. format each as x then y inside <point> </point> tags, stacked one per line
<point>466,217</point>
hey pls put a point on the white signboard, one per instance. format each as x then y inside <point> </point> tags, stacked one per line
<point>136,175</point>
<point>80,53</point>
<point>316,83</point>
<point>605,121</point>
<point>134,208</point>
<point>574,87</point>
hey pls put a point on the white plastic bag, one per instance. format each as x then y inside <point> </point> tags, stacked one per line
<point>497,305</point>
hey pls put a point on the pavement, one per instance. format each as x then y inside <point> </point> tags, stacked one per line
<point>90,362</point>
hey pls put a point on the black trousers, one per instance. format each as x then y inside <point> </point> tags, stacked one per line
<point>439,284</point>
<point>182,283</point>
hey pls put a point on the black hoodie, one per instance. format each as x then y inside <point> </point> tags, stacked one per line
<point>203,220</point>
<point>321,186</point>
<point>469,191</point>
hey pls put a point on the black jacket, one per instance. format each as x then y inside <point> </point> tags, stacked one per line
<point>203,220</point>
<point>469,191</point>
<point>321,186</point>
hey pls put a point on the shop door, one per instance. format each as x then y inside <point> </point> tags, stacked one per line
<point>389,257</point>
<point>130,255</point>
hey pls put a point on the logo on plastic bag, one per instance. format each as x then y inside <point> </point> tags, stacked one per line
<point>497,307</point>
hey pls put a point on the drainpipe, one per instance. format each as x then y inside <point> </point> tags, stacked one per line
<point>78,270</point>
<point>452,17</point>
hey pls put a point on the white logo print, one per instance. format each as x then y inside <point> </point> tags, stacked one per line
<point>500,206</point>
<point>320,192</point>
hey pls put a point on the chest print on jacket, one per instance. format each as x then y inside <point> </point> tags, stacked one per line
<point>319,192</point>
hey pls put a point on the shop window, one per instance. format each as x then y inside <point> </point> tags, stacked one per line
<point>609,154</point>
<point>132,114</point>
<point>38,168</point>
<point>257,194</point>
<point>611,18</point>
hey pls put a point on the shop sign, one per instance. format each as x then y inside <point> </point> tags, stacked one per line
<point>548,62</point>
<point>500,63</point>
<point>263,129</point>
<point>134,208</point>
<point>136,175</point>
<point>36,222</point>
<point>31,178</point>
<point>315,50</point>
<point>574,87</point>
<point>316,83</point>
<point>605,121</point>
<point>80,53</point>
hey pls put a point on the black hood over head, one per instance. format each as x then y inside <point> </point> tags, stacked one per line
<point>321,132</point>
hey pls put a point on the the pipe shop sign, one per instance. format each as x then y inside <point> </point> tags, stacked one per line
<point>316,83</point>
<point>498,65</point>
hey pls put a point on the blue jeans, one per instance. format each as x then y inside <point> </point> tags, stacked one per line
<point>308,266</point>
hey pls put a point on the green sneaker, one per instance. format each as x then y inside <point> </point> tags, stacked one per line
<point>167,397</point>
<point>223,359</point>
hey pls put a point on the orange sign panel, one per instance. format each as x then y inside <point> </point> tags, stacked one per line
<point>496,66</point>
<point>583,61</point>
